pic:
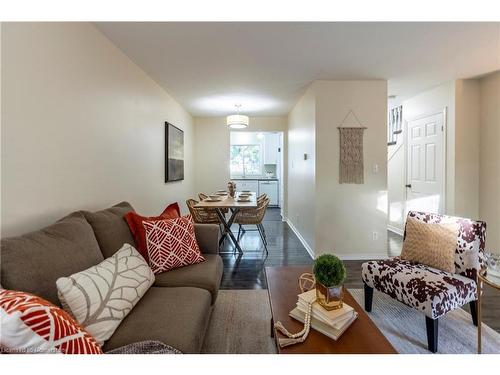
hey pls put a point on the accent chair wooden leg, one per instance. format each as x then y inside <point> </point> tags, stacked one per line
<point>473,311</point>
<point>432,334</point>
<point>368,298</point>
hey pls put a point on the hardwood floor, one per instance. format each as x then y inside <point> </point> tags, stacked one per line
<point>247,271</point>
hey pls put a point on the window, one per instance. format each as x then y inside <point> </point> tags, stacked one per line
<point>246,160</point>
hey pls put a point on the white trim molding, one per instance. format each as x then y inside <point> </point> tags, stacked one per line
<point>356,256</point>
<point>395,229</point>
<point>301,239</point>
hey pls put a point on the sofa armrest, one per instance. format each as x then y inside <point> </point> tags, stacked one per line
<point>207,236</point>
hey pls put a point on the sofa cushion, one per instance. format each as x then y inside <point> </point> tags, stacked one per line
<point>110,228</point>
<point>175,316</point>
<point>207,236</point>
<point>31,324</point>
<point>33,262</point>
<point>101,296</point>
<point>134,221</point>
<point>171,244</point>
<point>432,291</point>
<point>206,275</point>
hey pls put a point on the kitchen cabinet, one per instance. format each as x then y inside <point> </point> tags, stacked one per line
<point>271,147</point>
<point>252,185</point>
<point>271,188</point>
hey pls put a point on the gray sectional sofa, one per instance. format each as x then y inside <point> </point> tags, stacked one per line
<point>175,310</point>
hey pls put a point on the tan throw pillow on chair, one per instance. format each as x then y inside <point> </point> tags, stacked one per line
<point>431,244</point>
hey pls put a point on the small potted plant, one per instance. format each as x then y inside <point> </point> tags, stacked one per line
<point>330,274</point>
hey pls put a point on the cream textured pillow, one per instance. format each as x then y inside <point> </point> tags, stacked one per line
<point>431,244</point>
<point>101,297</point>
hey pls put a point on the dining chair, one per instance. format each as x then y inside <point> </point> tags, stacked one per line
<point>253,216</point>
<point>261,197</point>
<point>202,215</point>
<point>202,196</point>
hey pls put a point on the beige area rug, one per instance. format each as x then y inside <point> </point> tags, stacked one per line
<point>404,327</point>
<point>240,324</point>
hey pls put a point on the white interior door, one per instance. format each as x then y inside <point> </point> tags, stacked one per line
<point>425,164</point>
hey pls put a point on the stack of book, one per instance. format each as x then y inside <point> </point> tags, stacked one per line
<point>330,323</point>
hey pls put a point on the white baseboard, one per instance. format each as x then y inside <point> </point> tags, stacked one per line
<point>356,256</point>
<point>301,239</point>
<point>395,230</point>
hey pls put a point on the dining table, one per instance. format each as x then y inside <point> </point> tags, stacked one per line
<point>234,205</point>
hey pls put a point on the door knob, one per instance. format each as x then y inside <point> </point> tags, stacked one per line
<point>408,186</point>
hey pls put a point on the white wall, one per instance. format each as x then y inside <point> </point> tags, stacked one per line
<point>396,192</point>
<point>211,148</point>
<point>301,208</point>
<point>1,116</point>
<point>82,127</point>
<point>489,181</point>
<point>467,133</point>
<point>327,216</point>
<point>348,214</point>
<point>473,153</point>
<point>461,100</point>
<point>396,181</point>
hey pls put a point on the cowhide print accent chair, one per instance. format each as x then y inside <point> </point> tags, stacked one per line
<point>429,290</point>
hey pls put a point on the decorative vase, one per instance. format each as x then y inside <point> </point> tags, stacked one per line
<point>231,187</point>
<point>329,298</point>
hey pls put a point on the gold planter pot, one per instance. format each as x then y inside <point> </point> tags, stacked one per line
<point>329,298</point>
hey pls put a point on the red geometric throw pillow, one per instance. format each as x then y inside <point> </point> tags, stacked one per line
<point>171,243</point>
<point>135,220</point>
<point>32,325</point>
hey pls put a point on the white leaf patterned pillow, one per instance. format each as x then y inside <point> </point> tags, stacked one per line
<point>102,296</point>
<point>171,243</point>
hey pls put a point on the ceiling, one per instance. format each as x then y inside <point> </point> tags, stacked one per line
<point>265,67</point>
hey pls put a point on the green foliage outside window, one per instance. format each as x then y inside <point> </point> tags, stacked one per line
<point>246,160</point>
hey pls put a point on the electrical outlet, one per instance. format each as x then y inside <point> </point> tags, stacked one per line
<point>375,235</point>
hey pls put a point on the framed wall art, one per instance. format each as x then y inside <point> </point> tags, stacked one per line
<point>174,153</point>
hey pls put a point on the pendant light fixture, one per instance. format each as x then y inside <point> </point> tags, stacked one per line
<point>237,121</point>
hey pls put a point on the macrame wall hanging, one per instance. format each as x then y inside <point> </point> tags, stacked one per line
<point>351,169</point>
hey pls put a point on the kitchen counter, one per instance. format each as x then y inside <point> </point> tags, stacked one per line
<point>255,179</point>
<point>261,185</point>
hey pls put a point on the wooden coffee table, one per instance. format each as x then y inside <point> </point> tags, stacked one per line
<point>362,337</point>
